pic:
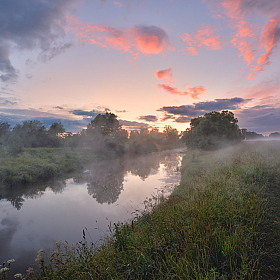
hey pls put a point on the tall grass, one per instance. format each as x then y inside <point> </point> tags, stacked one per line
<point>222,222</point>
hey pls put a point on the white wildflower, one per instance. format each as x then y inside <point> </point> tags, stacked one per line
<point>4,269</point>
<point>11,261</point>
<point>18,275</point>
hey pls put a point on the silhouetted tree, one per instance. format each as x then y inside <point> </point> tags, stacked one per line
<point>212,131</point>
<point>4,131</point>
<point>105,124</point>
<point>171,135</point>
<point>274,135</point>
<point>141,143</point>
<point>104,134</point>
<point>32,134</point>
<point>248,135</point>
<point>56,128</point>
<point>54,139</point>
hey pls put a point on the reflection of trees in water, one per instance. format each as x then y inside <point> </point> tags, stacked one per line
<point>16,201</point>
<point>17,195</point>
<point>104,180</point>
<point>171,162</point>
<point>142,166</point>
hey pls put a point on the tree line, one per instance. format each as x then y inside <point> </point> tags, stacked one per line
<point>103,135</point>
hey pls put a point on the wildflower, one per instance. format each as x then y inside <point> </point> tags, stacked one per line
<point>30,271</point>
<point>18,275</point>
<point>4,269</point>
<point>11,261</point>
<point>40,256</point>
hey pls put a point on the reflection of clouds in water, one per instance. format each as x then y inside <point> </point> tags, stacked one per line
<point>11,225</point>
<point>47,241</point>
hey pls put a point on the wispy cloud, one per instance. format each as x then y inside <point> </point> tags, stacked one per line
<point>7,101</point>
<point>148,118</point>
<point>265,89</point>
<point>184,113</point>
<point>264,119</point>
<point>203,37</point>
<point>164,74</point>
<point>79,112</point>
<point>269,37</point>
<point>131,125</point>
<point>249,38</point>
<point>192,92</point>
<point>138,39</point>
<point>54,51</point>
<point>15,116</point>
<point>119,4</point>
<point>30,24</point>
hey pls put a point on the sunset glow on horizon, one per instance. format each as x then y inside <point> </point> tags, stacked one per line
<point>152,63</point>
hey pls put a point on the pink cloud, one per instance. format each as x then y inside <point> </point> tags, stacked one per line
<point>244,32</point>
<point>265,89</point>
<point>195,91</point>
<point>249,38</point>
<point>118,4</point>
<point>143,39</point>
<point>269,37</point>
<point>164,74</point>
<point>203,37</point>
<point>192,92</point>
<point>149,39</point>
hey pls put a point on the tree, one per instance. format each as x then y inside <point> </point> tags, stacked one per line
<point>32,134</point>
<point>105,124</point>
<point>171,135</point>
<point>274,135</point>
<point>104,134</point>
<point>156,136</point>
<point>140,142</point>
<point>56,128</point>
<point>212,131</point>
<point>249,135</point>
<point>4,132</point>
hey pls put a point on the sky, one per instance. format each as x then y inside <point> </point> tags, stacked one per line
<point>151,62</point>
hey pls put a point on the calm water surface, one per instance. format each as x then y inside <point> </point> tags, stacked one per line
<point>106,192</point>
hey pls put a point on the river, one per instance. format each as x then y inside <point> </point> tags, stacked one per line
<point>106,192</point>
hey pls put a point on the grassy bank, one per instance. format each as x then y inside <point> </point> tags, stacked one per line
<point>40,164</point>
<point>33,165</point>
<point>222,222</point>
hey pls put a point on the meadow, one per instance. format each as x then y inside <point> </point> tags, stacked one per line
<point>221,222</point>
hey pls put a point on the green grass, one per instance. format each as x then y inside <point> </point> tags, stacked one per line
<point>41,164</point>
<point>222,222</point>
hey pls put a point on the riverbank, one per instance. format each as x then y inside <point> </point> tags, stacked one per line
<point>34,165</point>
<point>41,164</point>
<point>222,222</point>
